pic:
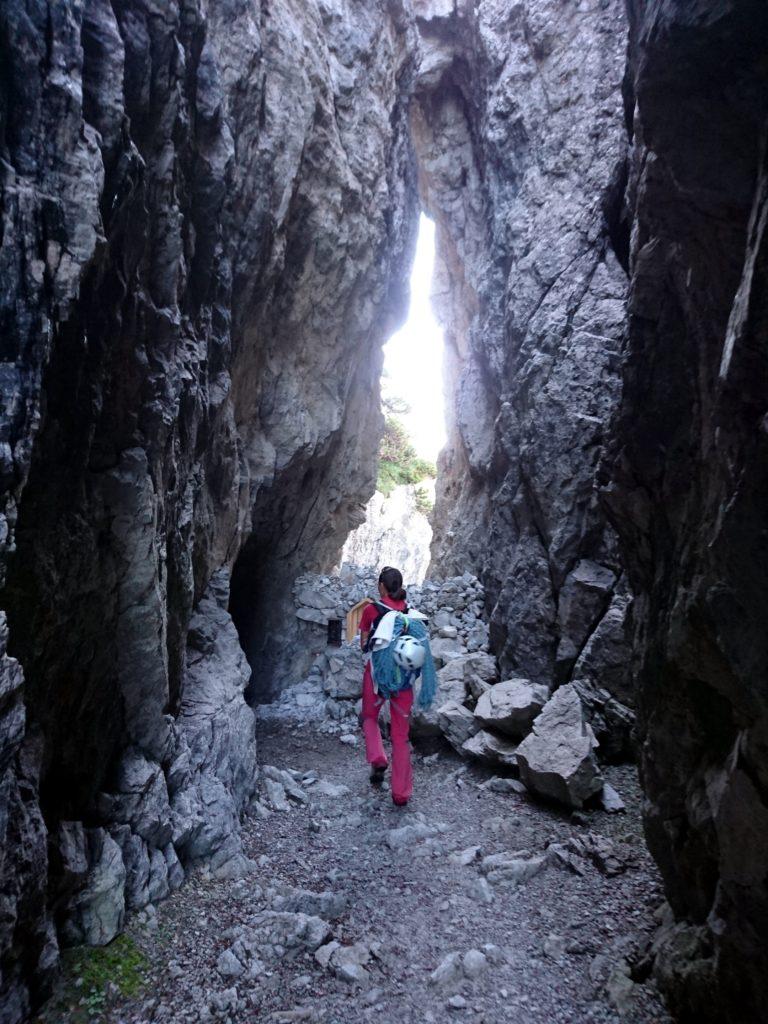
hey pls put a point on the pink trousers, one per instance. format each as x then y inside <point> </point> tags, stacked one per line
<point>400,705</point>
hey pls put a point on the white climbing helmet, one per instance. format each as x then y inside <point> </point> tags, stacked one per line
<point>409,653</point>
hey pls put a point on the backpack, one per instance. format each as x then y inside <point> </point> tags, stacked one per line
<point>389,677</point>
<point>382,610</point>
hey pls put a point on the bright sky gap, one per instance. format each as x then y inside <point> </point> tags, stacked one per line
<point>413,357</point>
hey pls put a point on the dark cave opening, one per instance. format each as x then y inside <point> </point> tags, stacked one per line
<point>248,593</point>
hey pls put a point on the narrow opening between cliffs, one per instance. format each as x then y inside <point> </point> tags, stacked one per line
<point>282,643</point>
<point>397,528</point>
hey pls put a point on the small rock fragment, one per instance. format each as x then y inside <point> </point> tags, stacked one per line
<point>474,963</point>
<point>610,800</point>
<point>554,946</point>
<point>512,868</point>
<point>494,954</point>
<point>482,891</point>
<point>500,785</point>
<point>324,953</point>
<point>407,835</point>
<point>325,788</point>
<point>465,857</point>
<point>448,971</point>
<point>276,795</point>
<point>228,965</point>
<point>620,989</point>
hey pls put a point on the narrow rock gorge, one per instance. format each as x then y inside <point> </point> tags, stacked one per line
<point>207,224</point>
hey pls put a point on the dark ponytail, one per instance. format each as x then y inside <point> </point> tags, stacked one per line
<point>393,582</point>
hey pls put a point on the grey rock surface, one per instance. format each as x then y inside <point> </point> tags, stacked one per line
<point>457,724</point>
<point>268,936</point>
<point>582,602</point>
<point>343,680</point>
<point>191,198</point>
<point>455,602</point>
<point>511,706</point>
<point>603,675</point>
<point>448,972</point>
<point>686,489</point>
<point>557,760</point>
<point>530,287</point>
<point>313,904</point>
<point>212,953</point>
<point>491,748</point>
<point>98,909</point>
<point>214,768</point>
<point>395,532</point>
<point>504,869</point>
<point>26,921</point>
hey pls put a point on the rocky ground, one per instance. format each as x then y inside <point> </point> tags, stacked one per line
<point>474,902</point>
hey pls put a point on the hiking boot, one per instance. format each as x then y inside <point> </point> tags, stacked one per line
<point>377,774</point>
<point>399,801</point>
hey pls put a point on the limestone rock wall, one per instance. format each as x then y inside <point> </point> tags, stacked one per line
<point>520,133</point>
<point>207,213</point>
<point>688,489</point>
<point>395,532</point>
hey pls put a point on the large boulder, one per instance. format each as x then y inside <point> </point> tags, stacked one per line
<point>557,760</point>
<point>469,667</point>
<point>511,706</point>
<point>450,688</point>
<point>457,724</point>
<point>487,746</point>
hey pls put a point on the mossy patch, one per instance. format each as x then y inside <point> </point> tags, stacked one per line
<point>94,976</point>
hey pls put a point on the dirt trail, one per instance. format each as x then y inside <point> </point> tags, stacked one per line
<point>548,949</point>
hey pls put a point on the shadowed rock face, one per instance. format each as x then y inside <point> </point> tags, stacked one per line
<point>208,212</point>
<point>689,494</point>
<point>520,135</point>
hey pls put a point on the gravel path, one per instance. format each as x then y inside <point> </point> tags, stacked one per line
<point>547,950</point>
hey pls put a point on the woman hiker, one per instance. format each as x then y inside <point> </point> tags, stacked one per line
<point>400,692</point>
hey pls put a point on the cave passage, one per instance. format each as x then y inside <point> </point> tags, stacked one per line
<point>397,529</point>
